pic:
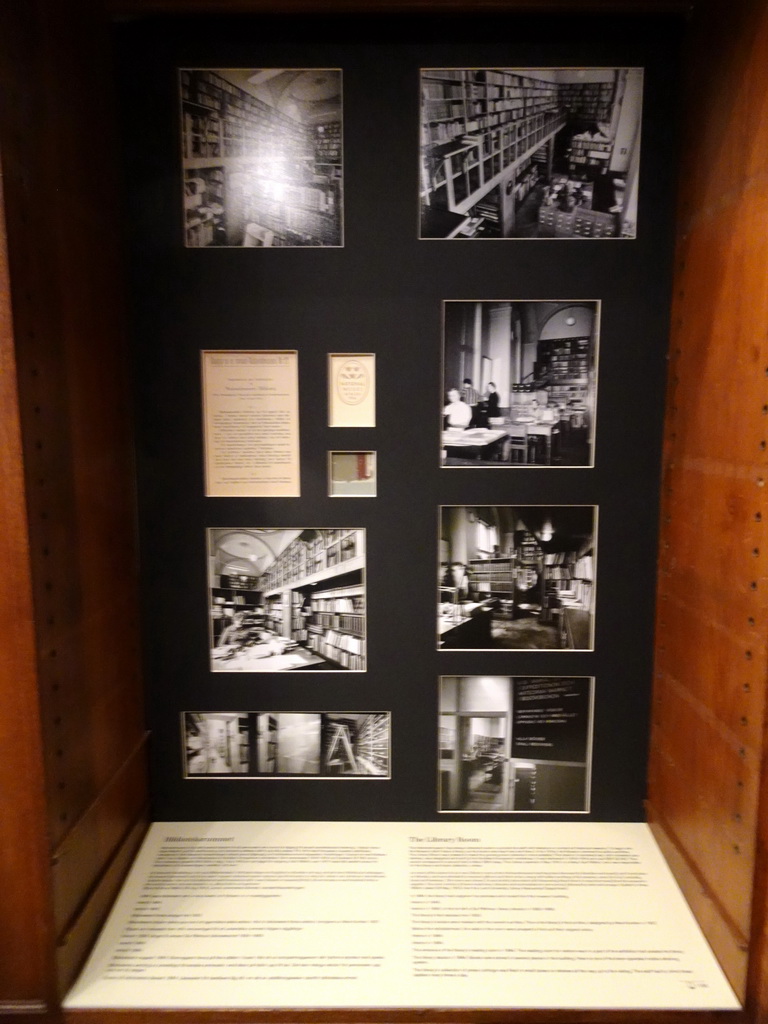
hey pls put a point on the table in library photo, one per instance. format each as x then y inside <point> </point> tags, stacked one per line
<point>537,429</point>
<point>470,628</point>
<point>477,442</point>
<point>257,658</point>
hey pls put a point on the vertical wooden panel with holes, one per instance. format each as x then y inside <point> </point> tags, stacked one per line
<point>708,710</point>
<point>62,201</point>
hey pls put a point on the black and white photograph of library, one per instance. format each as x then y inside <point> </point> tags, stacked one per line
<point>519,383</point>
<point>517,577</point>
<point>514,743</point>
<point>530,152</point>
<point>287,744</point>
<point>262,156</point>
<point>287,600</point>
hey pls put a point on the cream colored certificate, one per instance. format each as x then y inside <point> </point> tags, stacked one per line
<point>251,423</point>
<point>351,389</point>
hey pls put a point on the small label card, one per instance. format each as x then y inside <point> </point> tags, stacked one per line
<point>351,389</point>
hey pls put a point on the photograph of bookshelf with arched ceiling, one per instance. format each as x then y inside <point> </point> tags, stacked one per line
<point>283,600</point>
<point>262,156</point>
<point>530,152</point>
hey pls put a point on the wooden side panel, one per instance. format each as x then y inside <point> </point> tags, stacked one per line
<point>707,742</point>
<point>63,228</point>
<point>24,916</point>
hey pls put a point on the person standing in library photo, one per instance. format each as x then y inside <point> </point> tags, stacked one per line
<point>536,365</point>
<point>287,600</point>
<point>530,152</point>
<point>517,577</point>
<point>262,156</point>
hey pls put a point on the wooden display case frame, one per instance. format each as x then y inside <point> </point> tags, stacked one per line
<point>73,773</point>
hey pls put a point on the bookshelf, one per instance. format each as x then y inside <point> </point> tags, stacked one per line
<point>492,576</point>
<point>483,127</point>
<point>372,748</point>
<point>475,125</point>
<point>322,573</point>
<point>563,367</point>
<point>251,164</point>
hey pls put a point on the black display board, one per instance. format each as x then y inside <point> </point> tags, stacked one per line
<point>382,292</point>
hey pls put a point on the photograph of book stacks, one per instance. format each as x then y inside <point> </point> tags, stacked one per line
<point>286,744</point>
<point>217,744</point>
<point>530,152</point>
<point>284,600</point>
<point>262,156</point>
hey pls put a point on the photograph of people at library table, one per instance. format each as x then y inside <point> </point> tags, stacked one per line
<point>530,152</point>
<point>517,577</point>
<point>262,156</point>
<point>284,744</point>
<point>285,600</point>
<point>520,383</point>
<point>513,743</point>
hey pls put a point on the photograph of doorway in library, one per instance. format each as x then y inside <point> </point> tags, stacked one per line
<point>517,744</point>
<point>519,383</point>
<point>517,577</point>
<point>262,156</point>
<point>280,744</point>
<point>286,600</point>
<point>530,152</point>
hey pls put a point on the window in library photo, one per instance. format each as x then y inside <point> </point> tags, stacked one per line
<point>530,152</point>
<point>285,600</point>
<point>515,744</point>
<point>281,744</point>
<point>352,474</point>
<point>262,156</point>
<point>517,577</point>
<point>519,383</point>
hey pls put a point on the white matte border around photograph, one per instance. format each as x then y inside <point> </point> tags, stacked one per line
<point>515,744</point>
<point>262,157</point>
<point>284,600</point>
<point>517,577</point>
<point>519,383</point>
<point>534,153</point>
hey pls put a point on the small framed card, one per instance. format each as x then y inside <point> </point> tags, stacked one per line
<point>351,389</point>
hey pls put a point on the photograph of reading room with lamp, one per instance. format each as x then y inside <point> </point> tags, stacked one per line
<point>517,577</point>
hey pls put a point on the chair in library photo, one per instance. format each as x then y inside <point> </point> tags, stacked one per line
<point>515,446</point>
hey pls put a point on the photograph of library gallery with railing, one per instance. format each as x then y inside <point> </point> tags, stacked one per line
<point>530,152</point>
<point>285,600</point>
<point>519,383</point>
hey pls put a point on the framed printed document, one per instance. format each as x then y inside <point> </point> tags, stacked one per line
<point>251,423</point>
